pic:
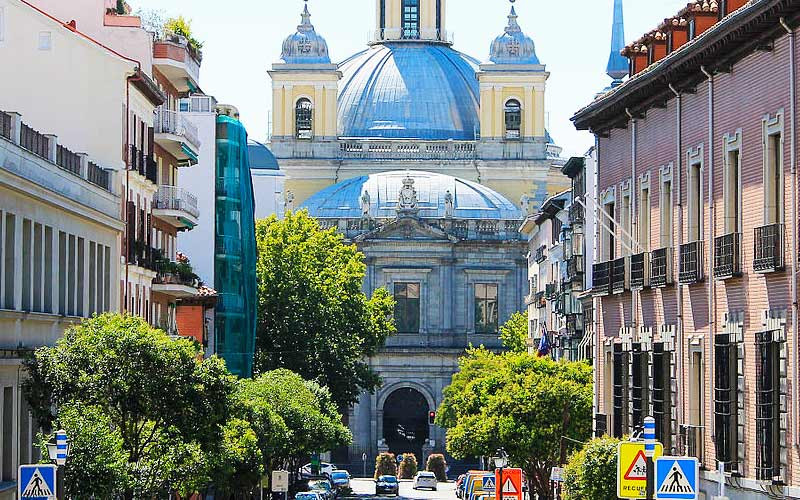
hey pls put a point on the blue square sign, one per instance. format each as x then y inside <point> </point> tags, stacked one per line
<point>677,478</point>
<point>37,482</point>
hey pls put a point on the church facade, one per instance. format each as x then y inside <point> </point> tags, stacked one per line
<point>428,160</point>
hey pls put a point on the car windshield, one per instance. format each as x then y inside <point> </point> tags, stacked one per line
<point>339,475</point>
<point>318,485</point>
<point>387,479</point>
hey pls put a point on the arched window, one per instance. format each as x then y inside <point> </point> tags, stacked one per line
<point>303,118</point>
<point>513,119</point>
<point>411,19</point>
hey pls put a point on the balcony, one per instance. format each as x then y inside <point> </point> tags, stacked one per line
<point>576,213</point>
<point>540,300</point>
<point>540,255</point>
<point>575,268</point>
<point>144,164</point>
<point>142,255</point>
<point>601,278</point>
<point>692,441</point>
<point>640,271</point>
<point>768,254</point>
<point>179,61</point>
<point>619,275</point>
<point>661,267</point>
<point>388,150</point>
<point>177,134</point>
<point>177,207</point>
<point>176,279</point>
<point>690,260</point>
<point>728,256</point>
<point>551,290</point>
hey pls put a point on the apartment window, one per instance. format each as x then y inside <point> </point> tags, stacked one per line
<point>609,237</point>
<point>620,418</point>
<point>485,308</point>
<point>556,226</point>
<point>48,269</point>
<point>666,213</point>
<point>625,222</point>
<point>608,384</point>
<point>411,19</point>
<point>406,307</point>
<point>695,194</point>
<point>10,266</point>
<point>303,118</point>
<point>768,456</point>
<point>696,386</point>
<point>62,273</point>
<point>726,416</point>
<point>662,394</point>
<point>732,192</point>
<point>382,15</point>
<point>45,40</point>
<point>773,179</point>
<point>513,119</point>
<point>71,275</point>
<point>639,385</point>
<point>644,218</point>
<point>27,261</point>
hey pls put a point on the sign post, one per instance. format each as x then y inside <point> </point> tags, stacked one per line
<point>364,459</point>
<point>280,483</point>
<point>649,452</point>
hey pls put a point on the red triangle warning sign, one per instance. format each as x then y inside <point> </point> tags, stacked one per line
<point>638,469</point>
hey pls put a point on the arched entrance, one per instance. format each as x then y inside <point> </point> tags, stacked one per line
<point>405,421</point>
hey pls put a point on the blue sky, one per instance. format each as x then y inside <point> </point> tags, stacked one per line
<point>243,38</point>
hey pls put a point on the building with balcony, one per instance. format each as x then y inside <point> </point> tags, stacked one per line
<point>696,280</point>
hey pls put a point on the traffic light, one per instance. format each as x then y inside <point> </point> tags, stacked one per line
<point>432,417</point>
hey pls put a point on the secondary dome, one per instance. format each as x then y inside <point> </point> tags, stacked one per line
<point>471,200</point>
<point>305,46</point>
<point>261,158</point>
<point>513,46</point>
<point>409,90</point>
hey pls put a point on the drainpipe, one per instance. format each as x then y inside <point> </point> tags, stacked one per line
<point>632,214</point>
<point>794,230</point>
<point>676,173</point>
<point>712,309</point>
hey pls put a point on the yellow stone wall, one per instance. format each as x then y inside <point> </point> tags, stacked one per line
<point>303,189</point>
<point>497,88</point>
<point>320,87</point>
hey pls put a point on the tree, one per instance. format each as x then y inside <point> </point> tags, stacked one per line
<point>521,403</point>
<point>167,406</point>
<point>591,472</point>
<point>238,467</point>
<point>313,317</point>
<point>514,333</point>
<point>437,465</point>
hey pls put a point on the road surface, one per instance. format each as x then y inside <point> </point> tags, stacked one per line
<point>365,488</point>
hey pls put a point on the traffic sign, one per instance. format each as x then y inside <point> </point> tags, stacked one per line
<point>677,478</point>
<point>632,468</point>
<point>557,474</point>
<point>509,486</point>
<point>399,458</point>
<point>280,481</point>
<point>488,483</point>
<point>37,482</point>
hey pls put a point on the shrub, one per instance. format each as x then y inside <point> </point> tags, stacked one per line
<point>591,472</point>
<point>408,467</point>
<point>385,465</point>
<point>438,466</point>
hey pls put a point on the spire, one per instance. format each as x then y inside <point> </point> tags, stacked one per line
<point>305,46</point>
<point>513,46</point>
<point>305,25</point>
<point>513,26</point>
<point>617,64</point>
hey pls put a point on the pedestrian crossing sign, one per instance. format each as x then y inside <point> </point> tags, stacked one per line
<point>488,483</point>
<point>37,482</point>
<point>677,478</point>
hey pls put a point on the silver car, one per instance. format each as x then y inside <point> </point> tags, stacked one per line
<point>425,479</point>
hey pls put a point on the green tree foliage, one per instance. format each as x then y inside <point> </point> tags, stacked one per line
<point>166,406</point>
<point>238,466</point>
<point>520,403</point>
<point>313,317</point>
<point>292,418</point>
<point>408,467</point>
<point>514,333</point>
<point>591,472</point>
<point>385,465</point>
<point>437,465</point>
<point>183,27</point>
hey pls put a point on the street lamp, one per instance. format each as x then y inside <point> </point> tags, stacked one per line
<point>59,451</point>
<point>500,461</point>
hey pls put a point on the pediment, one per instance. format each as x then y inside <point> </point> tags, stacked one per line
<point>407,228</point>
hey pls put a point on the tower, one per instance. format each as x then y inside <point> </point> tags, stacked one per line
<point>617,67</point>
<point>410,20</point>
<point>512,87</point>
<point>304,88</point>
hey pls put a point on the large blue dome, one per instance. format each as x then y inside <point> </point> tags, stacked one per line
<point>409,90</point>
<point>470,200</point>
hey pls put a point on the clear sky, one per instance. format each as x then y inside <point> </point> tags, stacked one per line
<point>243,38</point>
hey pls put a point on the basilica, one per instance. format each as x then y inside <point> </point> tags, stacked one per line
<point>428,160</point>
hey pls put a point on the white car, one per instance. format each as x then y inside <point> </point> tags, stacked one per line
<point>425,479</point>
<point>325,469</point>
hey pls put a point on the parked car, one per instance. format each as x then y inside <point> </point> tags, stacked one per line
<point>323,487</point>
<point>340,479</point>
<point>325,469</point>
<point>308,495</point>
<point>387,485</point>
<point>425,479</point>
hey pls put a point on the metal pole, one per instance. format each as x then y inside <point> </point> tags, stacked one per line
<point>649,451</point>
<point>60,483</point>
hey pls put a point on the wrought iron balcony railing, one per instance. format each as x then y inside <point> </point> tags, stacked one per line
<point>619,275</point>
<point>175,198</point>
<point>768,252</point>
<point>692,441</point>
<point>728,256</point>
<point>575,267</point>
<point>661,267</point>
<point>601,278</point>
<point>640,271</point>
<point>540,256</point>
<point>691,263</point>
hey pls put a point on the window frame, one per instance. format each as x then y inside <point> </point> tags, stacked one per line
<point>302,100</point>
<point>403,303</point>
<point>666,205</point>
<point>484,326</point>
<point>773,127</point>
<point>407,23</point>
<point>509,111</point>
<point>694,194</point>
<point>732,184</point>
<point>644,213</point>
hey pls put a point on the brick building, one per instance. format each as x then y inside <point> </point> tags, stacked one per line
<point>695,279</point>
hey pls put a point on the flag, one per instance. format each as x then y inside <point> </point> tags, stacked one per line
<point>544,342</point>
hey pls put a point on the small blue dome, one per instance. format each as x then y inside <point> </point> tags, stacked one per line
<point>409,90</point>
<point>261,158</point>
<point>513,46</point>
<point>470,200</point>
<point>305,46</point>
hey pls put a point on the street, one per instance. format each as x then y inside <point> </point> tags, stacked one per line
<point>366,488</point>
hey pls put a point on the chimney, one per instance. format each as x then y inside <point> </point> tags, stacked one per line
<point>729,6</point>
<point>701,15</point>
<point>677,31</point>
<point>637,55</point>
<point>656,42</point>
